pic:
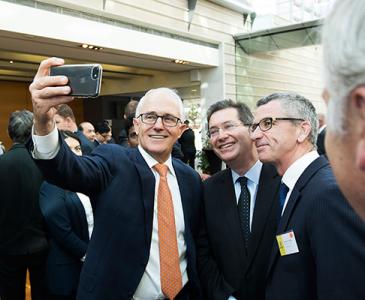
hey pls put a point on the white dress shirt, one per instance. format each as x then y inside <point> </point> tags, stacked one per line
<point>293,173</point>
<point>150,284</point>
<point>45,146</point>
<point>85,201</point>
<point>253,177</point>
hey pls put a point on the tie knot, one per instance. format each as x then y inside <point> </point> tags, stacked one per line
<point>161,169</point>
<point>242,180</point>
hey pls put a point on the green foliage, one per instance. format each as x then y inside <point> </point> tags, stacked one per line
<point>193,113</point>
<point>203,163</point>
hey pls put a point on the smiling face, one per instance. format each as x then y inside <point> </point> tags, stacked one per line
<point>232,144</point>
<point>159,139</point>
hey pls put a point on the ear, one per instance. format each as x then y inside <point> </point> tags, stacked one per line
<point>305,129</point>
<point>182,128</point>
<point>357,98</point>
<point>136,123</point>
<point>357,102</point>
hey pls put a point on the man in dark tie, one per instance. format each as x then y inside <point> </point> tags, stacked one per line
<point>240,210</point>
<point>146,204</point>
<point>319,253</point>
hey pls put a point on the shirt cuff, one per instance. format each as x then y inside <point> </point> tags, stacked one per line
<point>47,146</point>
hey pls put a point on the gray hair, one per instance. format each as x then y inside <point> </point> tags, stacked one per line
<point>163,90</point>
<point>343,53</point>
<point>20,126</point>
<point>296,106</point>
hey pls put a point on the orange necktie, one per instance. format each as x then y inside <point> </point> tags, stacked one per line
<point>171,280</point>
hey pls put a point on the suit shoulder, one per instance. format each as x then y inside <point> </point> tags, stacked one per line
<point>212,180</point>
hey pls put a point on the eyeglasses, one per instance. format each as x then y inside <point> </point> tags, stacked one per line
<point>167,120</point>
<point>266,123</point>
<point>213,132</point>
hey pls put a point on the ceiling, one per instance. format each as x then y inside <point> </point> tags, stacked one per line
<point>27,51</point>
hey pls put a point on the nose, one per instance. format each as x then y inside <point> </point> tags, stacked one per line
<point>256,134</point>
<point>222,134</point>
<point>159,123</point>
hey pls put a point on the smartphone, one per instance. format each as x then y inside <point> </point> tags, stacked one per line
<point>84,79</point>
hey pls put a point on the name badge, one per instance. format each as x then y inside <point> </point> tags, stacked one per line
<point>287,243</point>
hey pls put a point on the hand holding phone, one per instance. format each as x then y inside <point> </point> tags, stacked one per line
<point>84,79</point>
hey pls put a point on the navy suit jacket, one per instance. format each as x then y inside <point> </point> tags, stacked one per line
<point>224,268</point>
<point>86,146</point>
<point>122,189</point>
<point>331,241</point>
<point>68,237</point>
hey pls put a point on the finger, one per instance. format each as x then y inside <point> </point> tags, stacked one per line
<point>48,81</point>
<point>45,65</point>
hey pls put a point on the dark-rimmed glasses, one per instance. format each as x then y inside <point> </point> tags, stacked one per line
<point>167,120</point>
<point>266,123</point>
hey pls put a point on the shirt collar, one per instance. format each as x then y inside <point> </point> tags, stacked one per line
<point>293,173</point>
<point>151,162</point>
<point>252,174</point>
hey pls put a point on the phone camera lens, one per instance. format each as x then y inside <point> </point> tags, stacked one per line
<point>95,72</point>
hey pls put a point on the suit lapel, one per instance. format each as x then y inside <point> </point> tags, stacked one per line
<point>147,192</point>
<point>76,202</point>
<point>183,182</point>
<point>295,197</point>
<point>266,201</point>
<point>228,207</point>
<point>77,213</point>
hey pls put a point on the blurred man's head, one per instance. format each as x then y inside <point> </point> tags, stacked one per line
<point>321,120</point>
<point>344,69</point>
<point>285,128</point>
<point>103,132</point>
<point>158,122</point>
<point>88,130</point>
<point>228,132</point>
<point>130,108</point>
<point>20,126</point>
<point>65,118</point>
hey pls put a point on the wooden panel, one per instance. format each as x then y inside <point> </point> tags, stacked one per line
<point>15,96</point>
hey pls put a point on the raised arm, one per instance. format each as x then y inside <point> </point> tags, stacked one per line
<point>47,92</point>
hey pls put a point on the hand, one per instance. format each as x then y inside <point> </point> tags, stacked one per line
<point>204,176</point>
<point>47,92</point>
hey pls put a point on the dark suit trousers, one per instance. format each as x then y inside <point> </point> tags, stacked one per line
<point>13,270</point>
